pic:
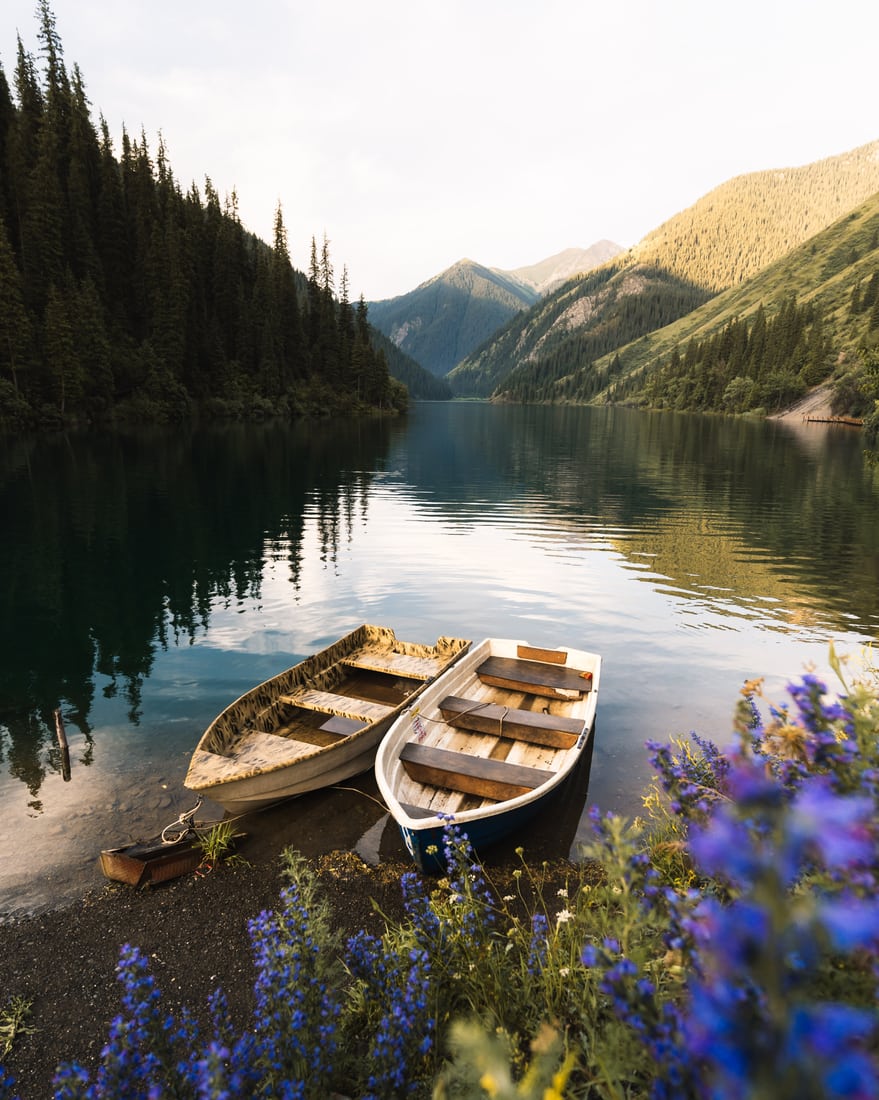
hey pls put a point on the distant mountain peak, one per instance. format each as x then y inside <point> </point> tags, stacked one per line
<point>549,274</point>
<point>449,315</point>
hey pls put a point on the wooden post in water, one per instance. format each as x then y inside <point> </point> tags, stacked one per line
<point>62,742</point>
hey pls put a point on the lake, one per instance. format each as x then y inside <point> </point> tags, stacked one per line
<point>150,577</point>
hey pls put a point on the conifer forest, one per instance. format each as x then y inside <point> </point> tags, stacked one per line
<point>124,298</point>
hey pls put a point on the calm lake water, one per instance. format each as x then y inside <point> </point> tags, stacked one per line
<point>149,578</point>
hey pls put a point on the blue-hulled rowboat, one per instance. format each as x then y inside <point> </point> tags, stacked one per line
<point>487,744</point>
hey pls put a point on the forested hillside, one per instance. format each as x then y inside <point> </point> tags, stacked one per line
<point>722,241</point>
<point>809,318</point>
<point>122,297</point>
<point>421,384</point>
<point>745,224</point>
<point>586,319</point>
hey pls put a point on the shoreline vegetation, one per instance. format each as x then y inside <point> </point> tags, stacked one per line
<point>726,946</point>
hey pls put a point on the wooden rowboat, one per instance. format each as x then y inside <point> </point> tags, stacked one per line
<point>317,723</point>
<point>487,744</point>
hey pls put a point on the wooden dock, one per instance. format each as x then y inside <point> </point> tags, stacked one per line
<point>848,421</point>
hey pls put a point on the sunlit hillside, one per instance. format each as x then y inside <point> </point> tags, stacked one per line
<point>723,241</point>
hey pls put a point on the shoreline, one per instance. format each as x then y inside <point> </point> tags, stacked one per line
<point>815,406</point>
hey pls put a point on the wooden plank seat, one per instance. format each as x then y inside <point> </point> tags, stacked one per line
<point>459,771</point>
<point>520,725</point>
<point>396,664</point>
<point>535,677</point>
<point>343,705</point>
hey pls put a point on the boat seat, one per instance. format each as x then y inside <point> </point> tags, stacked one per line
<point>343,705</point>
<point>534,726</point>
<point>254,749</point>
<point>395,664</point>
<point>459,771</point>
<point>535,677</point>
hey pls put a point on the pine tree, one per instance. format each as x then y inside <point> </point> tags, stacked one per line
<point>111,236</point>
<point>290,323</point>
<point>83,171</point>
<point>7,129</point>
<point>23,146</point>
<point>42,229</point>
<point>15,329</point>
<point>63,368</point>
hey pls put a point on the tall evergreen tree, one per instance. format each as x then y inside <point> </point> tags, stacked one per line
<point>15,328</point>
<point>7,130</point>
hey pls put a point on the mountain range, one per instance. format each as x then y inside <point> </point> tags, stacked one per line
<point>440,322</point>
<point>745,248</point>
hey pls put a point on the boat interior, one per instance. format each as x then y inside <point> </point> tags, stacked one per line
<point>519,724</point>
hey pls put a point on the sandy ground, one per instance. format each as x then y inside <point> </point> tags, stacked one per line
<point>816,404</point>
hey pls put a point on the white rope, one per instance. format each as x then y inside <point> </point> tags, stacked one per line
<point>186,824</point>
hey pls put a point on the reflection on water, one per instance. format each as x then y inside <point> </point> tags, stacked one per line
<point>149,578</point>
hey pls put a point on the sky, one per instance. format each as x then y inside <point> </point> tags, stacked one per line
<point>411,135</point>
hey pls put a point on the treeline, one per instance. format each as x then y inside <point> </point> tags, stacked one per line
<point>122,297</point>
<point>764,363</point>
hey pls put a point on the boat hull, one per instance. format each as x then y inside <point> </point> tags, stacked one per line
<point>426,845</point>
<point>486,751</point>
<point>249,794</point>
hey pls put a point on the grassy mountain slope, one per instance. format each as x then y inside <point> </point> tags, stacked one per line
<point>741,226</point>
<point>829,272</point>
<point>728,236</point>
<point>588,318</point>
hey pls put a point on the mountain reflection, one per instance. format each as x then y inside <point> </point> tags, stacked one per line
<point>762,509</point>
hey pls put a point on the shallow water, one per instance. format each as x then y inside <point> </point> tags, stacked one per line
<point>150,578</point>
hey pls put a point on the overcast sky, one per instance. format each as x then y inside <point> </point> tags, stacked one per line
<point>414,134</point>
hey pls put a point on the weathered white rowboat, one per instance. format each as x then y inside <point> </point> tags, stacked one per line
<point>317,723</point>
<point>487,744</point>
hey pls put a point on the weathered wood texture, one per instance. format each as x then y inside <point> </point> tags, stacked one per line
<point>520,725</point>
<point>477,775</point>
<point>344,705</point>
<point>535,677</point>
<point>402,664</point>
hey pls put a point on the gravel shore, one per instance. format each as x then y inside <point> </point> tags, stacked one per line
<point>194,930</point>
